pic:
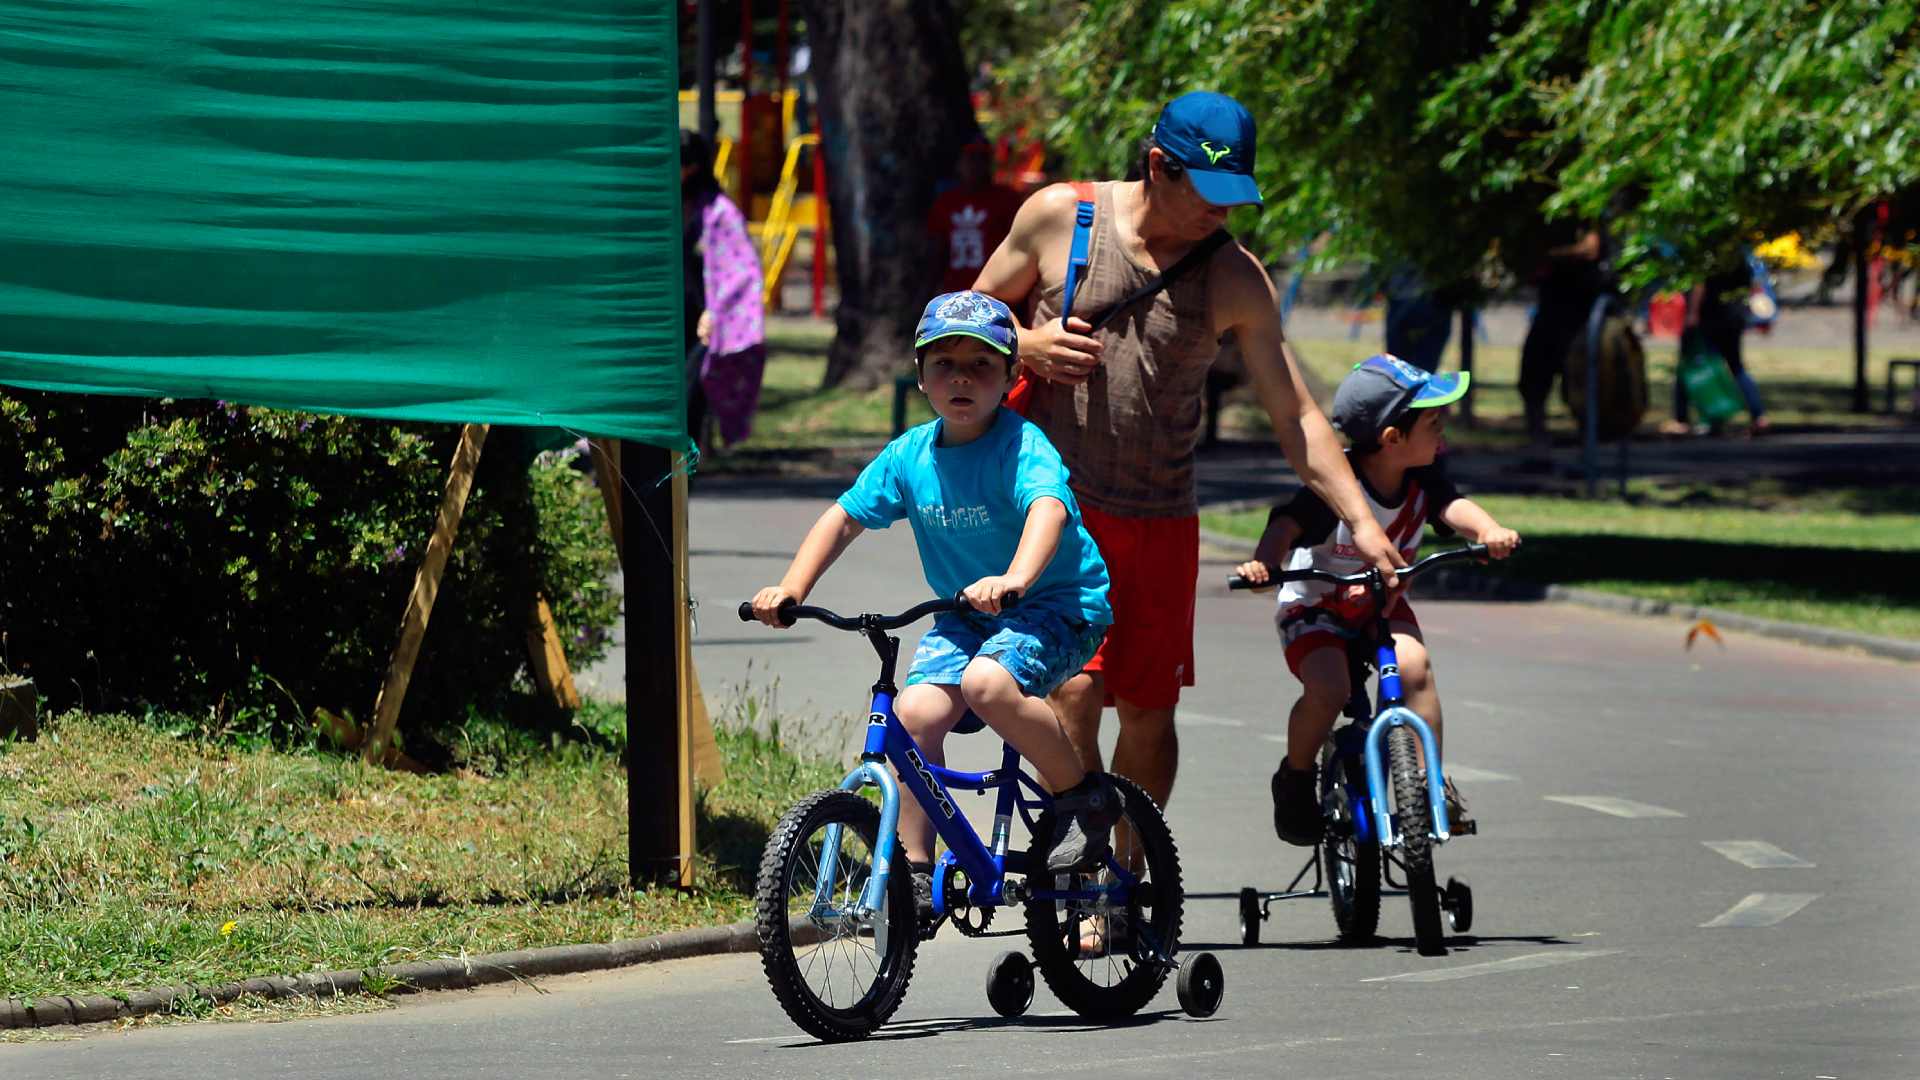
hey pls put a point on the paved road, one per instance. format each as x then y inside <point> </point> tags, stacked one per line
<point>1693,865</point>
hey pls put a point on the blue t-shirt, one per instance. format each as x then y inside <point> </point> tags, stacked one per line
<point>968,506</point>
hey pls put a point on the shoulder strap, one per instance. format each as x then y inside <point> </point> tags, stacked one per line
<point>1077,254</point>
<point>1200,253</point>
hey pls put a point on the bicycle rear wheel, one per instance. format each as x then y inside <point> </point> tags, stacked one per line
<point>1120,978</point>
<point>837,976</point>
<point>1352,866</point>
<point>1414,824</point>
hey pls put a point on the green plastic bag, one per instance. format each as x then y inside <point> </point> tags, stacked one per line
<point>1711,389</point>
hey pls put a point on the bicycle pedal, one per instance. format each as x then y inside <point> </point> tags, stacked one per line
<point>1464,828</point>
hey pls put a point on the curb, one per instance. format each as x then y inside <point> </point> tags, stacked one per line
<point>1454,582</point>
<point>447,974</point>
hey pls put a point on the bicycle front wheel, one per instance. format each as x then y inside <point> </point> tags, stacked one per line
<point>1096,955</point>
<point>837,974</point>
<point>1414,822</point>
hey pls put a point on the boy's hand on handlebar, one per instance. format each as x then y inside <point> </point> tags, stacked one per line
<point>1255,571</point>
<point>990,594</point>
<point>1500,541</point>
<point>767,603</point>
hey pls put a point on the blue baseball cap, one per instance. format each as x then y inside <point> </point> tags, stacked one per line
<point>969,314</point>
<point>1212,135</point>
<point>1381,388</point>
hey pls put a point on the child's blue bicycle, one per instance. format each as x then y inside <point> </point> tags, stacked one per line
<point>1383,810</point>
<point>835,907</point>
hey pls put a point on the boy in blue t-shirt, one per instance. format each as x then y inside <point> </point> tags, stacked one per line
<point>987,497</point>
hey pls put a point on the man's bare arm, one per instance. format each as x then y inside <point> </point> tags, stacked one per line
<point>1064,354</point>
<point>1244,302</point>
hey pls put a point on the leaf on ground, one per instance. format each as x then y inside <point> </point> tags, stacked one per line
<point>1705,626</point>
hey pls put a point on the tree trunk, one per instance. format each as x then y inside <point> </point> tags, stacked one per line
<point>894,112</point>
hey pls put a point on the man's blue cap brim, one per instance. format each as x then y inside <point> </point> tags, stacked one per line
<point>978,335</point>
<point>1441,390</point>
<point>1225,188</point>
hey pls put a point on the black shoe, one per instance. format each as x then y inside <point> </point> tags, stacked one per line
<point>1296,807</point>
<point>1459,821</point>
<point>923,913</point>
<point>1083,816</point>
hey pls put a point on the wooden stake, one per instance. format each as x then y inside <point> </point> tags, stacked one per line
<point>683,698</point>
<point>548,659</point>
<point>426,586</point>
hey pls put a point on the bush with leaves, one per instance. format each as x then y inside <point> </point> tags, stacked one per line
<point>250,565</point>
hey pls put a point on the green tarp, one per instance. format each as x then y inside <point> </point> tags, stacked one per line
<point>453,210</point>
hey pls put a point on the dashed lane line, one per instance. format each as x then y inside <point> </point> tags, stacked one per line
<point>1607,804</point>
<point>1495,967</point>
<point>1758,854</point>
<point>1760,909</point>
<point>1467,774</point>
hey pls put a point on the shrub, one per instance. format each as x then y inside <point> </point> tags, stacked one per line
<point>250,564</point>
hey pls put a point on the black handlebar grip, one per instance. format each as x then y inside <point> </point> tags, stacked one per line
<point>746,611</point>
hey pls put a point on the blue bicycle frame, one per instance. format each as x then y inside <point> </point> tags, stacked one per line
<point>1394,713</point>
<point>931,785</point>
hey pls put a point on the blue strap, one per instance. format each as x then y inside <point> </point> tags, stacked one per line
<point>1077,255</point>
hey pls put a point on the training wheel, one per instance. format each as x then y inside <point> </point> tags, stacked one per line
<point>1201,984</point>
<point>1010,984</point>
<point>1249,917</point>
<point>1457,900</point>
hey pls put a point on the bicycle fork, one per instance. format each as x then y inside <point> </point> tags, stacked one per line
<point>1395,714</point>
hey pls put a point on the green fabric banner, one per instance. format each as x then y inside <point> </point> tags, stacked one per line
<point>451,210</point>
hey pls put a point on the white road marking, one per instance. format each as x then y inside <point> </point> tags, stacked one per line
<point>1496,707</point>
<point>1200,719</point>
<point>1607,804</point>
<point>1761,909</point>
<point>769,1039</point>
<point>1275,738</point>
<point>1495,967</point>
<point>1467,774</point>
<point>1757,854</point>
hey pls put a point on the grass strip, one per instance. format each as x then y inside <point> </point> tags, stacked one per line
<point>132,856</point>
<point>1839,558</point>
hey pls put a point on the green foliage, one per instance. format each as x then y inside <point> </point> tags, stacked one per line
<point>1444,135</point>
<point>248,565</point>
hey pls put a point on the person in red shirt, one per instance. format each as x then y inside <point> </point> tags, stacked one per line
<point>968,221</point>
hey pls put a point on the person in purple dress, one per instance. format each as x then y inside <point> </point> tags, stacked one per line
<point>725,317</point>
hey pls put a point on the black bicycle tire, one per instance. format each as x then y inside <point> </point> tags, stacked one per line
<point>1411,806</point>
<point>1356,918</point>
<point>1060,968</point>
<point>777,957</point>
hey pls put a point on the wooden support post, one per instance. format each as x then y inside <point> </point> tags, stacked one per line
<point>659,803</point>
<point>547,657</point>
<point>426,586</point>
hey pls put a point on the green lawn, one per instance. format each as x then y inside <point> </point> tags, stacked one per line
<point>132,857</point>
<point>1804,387</point>
<point>1840,557</point>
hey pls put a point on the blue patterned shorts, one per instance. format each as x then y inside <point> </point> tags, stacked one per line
<point>1040,648</point>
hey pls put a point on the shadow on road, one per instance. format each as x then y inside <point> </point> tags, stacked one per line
<point>922,1029</point>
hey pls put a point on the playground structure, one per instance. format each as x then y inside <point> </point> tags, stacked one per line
<point>761,125</point>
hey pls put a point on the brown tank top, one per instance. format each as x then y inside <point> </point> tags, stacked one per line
<point>1128,433</point>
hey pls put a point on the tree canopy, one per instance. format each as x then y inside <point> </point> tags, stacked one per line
<point>1445,135</point>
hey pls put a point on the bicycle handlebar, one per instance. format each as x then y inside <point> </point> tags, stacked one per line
<point>1365,577</point>
<point>791,612</point>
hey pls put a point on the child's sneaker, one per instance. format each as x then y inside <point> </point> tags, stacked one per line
<point>923,913</point>
<point>1461,822</point>
<point>1083,815</point>
<point>1296,808</point>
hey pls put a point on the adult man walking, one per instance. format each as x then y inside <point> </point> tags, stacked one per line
<point>1124,407</point>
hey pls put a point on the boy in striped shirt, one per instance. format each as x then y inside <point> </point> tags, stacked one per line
<point>1394,414</point>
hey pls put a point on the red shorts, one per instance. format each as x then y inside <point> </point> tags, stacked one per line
<point>1153,568</point>
<point>1308,629</point>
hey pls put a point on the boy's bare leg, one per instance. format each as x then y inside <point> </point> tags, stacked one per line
<point>1323,693</point>
<point>1078,703</point>
<point>928,712</point>
<point>1027,723</point>
<point>1416,679</point>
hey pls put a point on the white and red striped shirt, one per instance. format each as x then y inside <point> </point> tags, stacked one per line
<point>1326,543</point>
